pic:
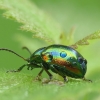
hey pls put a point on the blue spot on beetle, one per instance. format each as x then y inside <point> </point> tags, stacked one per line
<point>63,54</point>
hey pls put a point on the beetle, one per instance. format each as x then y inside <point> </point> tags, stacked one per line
<point>60,59</point>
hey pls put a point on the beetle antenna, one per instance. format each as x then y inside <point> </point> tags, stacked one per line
<point>27,50</point>
<point>13,53</point>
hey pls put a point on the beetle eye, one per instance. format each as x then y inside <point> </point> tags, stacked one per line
<point>80,60</point>
<point>63,54</point>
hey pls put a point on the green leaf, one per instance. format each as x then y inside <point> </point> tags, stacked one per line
<point>84,41</point>
<point>33,19</point>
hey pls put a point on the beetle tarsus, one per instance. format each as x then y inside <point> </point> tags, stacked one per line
<point>88,80</point>
<point>65,79</point>
<point>51,76</point>
<point>39,75</point>
<point>12,71</point>
<point>18,70</point>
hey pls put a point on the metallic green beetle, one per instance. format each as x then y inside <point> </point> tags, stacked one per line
<point>60,59</point>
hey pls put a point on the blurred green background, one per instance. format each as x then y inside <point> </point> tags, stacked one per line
<point>82,15</point>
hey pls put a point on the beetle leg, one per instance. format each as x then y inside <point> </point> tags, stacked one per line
<point>39,74</point>
<point>87,79</point>
<point>46,70</point>
<point>50,75</point>
<point>18,70</point>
